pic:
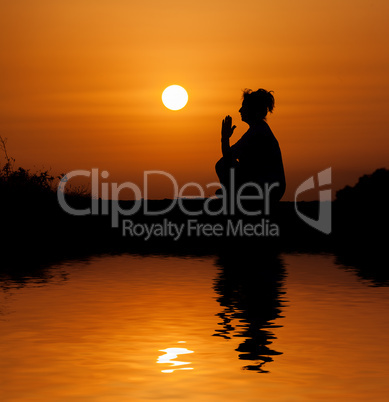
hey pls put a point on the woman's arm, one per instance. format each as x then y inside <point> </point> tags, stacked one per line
<point>227,131</point>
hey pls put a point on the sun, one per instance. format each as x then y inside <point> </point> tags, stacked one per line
<point>175,97</point>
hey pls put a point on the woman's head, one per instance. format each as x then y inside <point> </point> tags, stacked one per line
<point>256,105</point>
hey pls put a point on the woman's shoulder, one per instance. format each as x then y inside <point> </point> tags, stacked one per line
<point>262,130</point>
<point>265,127</point>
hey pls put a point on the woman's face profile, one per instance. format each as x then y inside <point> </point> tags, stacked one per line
<point>245,112</point>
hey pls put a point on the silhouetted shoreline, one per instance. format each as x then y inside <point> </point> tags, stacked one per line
<point>43,229</point>
<point>37,231</point>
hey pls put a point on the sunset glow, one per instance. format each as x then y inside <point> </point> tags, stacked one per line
<point>81,84</point>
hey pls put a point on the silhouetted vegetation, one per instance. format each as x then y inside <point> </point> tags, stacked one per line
<point>17,181</point>
<point>21,181</point>
<point>370,190</point>
<point>34,227</point>
<point>361,212</point>
<point>361,219</point>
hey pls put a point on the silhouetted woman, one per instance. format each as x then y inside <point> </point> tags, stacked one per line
<point>256,157</point>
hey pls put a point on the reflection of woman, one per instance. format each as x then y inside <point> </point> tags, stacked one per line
<point>250,289</point>
<point>256,157</point>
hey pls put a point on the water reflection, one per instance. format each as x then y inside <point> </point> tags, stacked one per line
<point>18,276</point>
<point>370,265</point>
<point>169,358</point>
<point>249,285</point>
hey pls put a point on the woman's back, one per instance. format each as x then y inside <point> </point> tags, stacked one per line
<point>259,156</point>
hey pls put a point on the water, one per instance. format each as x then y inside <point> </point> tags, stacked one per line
<point>129,328</point>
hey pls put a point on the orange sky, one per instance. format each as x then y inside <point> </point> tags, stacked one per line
<point>81,84</point>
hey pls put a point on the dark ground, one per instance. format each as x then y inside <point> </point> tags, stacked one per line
<point>36,232</point>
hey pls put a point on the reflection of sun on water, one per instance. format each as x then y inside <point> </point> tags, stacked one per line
<point>170,355</point>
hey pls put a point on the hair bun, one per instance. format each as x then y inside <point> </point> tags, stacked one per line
<point>261,100</point>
